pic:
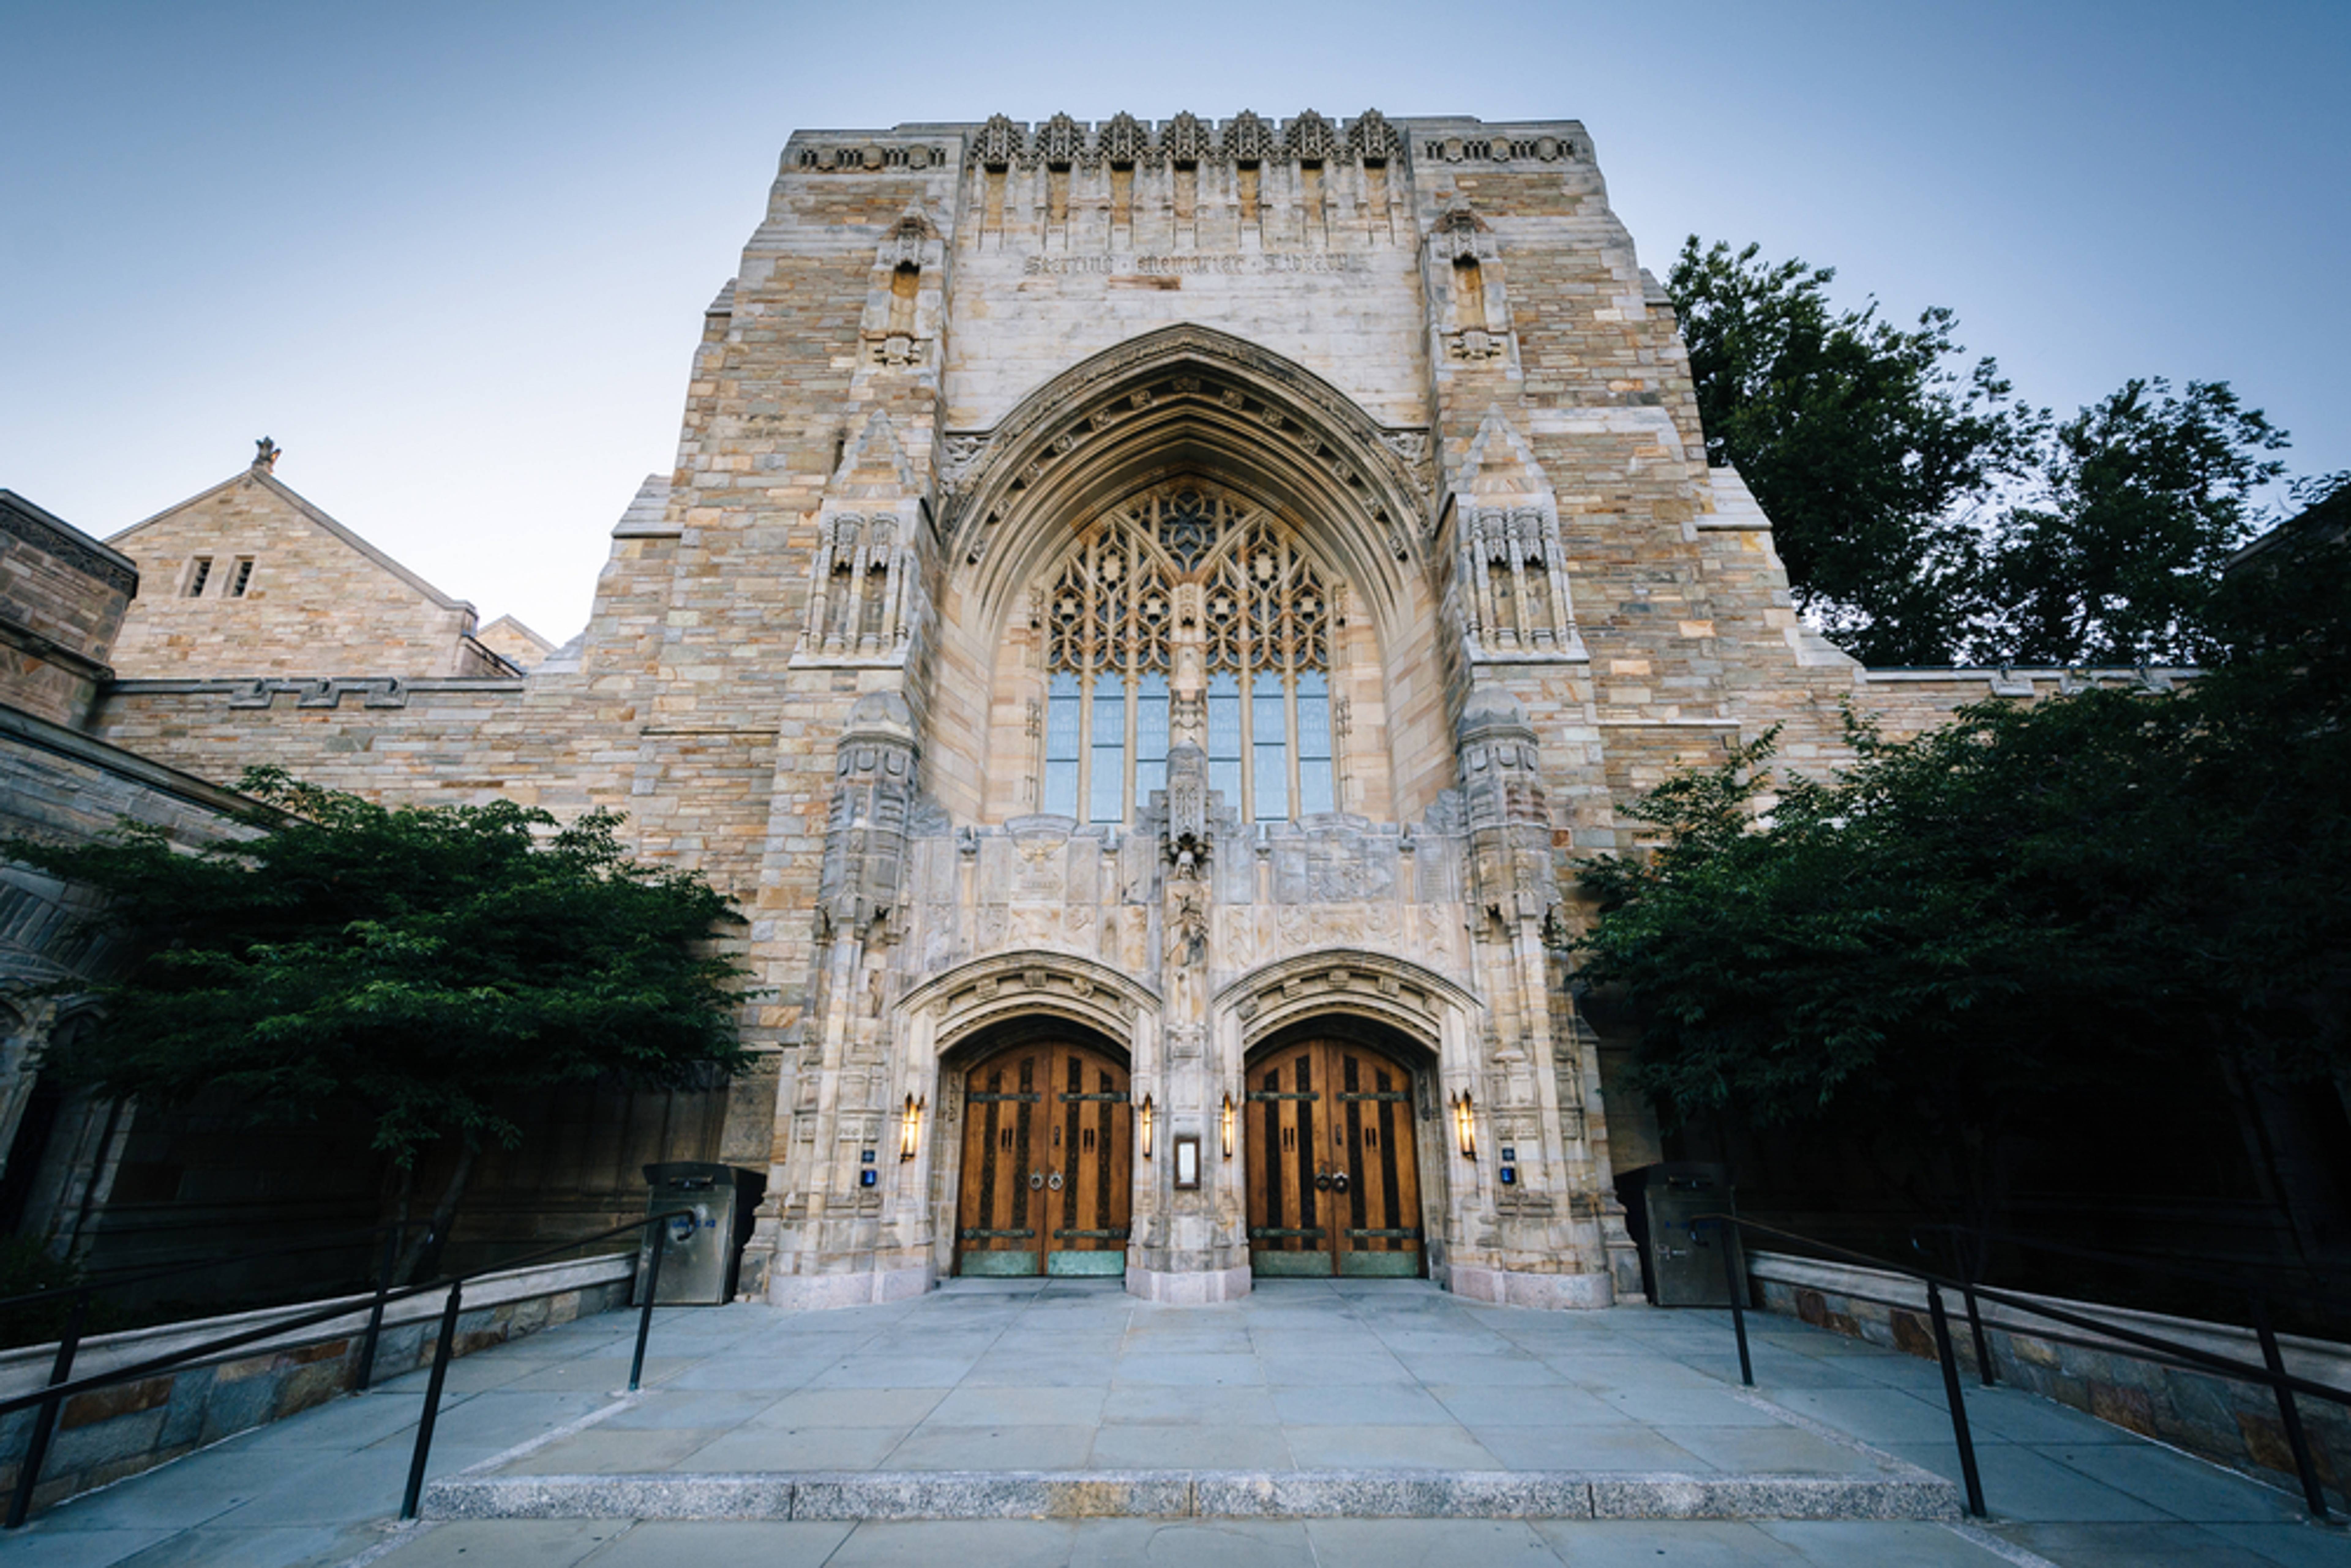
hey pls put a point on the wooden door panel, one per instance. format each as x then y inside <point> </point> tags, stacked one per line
<point>1089,1207</point>
<point>1382,1231</point>
<point>1318,1111</point>
<point>1288,1233</point>
<point>996,1232</point>
<point>1046,1185</point>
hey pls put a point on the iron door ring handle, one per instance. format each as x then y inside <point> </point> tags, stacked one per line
<point>1035,1181</point>
<point>1338,1182</point>
<point>1054,1181</point>
<point>1323,1181</point>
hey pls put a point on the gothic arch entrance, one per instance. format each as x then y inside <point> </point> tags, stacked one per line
<point>1333,1156</point>
<point>1046,1183</point>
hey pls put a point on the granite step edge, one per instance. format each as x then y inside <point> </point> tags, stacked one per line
<point>1193,1494</point>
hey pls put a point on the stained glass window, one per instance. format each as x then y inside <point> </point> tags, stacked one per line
<point>1263,637</point>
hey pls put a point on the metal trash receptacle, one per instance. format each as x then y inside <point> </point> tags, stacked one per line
<point>1682,1257</point>
<point>700,1257</point>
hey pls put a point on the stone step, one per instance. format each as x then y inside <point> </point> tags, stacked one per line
<point>1903,1493</point>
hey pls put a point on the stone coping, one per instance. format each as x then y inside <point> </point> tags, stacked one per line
<point>1902,1493</point>
<point>2317,1359</point>
<point>26,1369</point>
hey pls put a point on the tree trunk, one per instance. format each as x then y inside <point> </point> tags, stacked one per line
<point>427,1246</point>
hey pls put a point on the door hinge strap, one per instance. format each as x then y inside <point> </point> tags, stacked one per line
<point>991,1235</point>
<point>1257,1230</point>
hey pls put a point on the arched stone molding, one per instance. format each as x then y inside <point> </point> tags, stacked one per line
<point>1187,397</point>
<point>1417,1002</point>
<point>1189,401</point>
<point>957,1019</point>
<point>1436,1017</point>
<point>949,1008</point>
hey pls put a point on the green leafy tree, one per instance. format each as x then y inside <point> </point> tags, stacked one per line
<point>1875,449</point>
<point>432,966</point>
<point>2033,899</point>
<point>2146,496</point>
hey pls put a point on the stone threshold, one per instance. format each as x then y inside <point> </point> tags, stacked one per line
<point>1897,1493</point>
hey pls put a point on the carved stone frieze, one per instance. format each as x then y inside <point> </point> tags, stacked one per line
<point>869,157</point>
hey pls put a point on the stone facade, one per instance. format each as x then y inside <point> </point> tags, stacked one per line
<point>250,579</point>
<point>62,598</point>
<point>1404,439</point>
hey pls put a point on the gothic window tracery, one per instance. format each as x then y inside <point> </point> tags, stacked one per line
<point>1114,644</point>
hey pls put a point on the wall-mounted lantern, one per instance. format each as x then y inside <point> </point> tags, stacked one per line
<point>910,1129</point>
<point>1464,1124</point>
<point>1226,1126</point>
<point>1142,1126</point>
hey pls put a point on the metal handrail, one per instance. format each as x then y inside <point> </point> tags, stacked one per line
<point>2271,1372</point>
<point>61,1388</point>
<point>2268,1290</point>
<point>115,1282</point>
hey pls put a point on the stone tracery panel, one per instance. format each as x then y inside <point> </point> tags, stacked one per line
<point>1188,610</point>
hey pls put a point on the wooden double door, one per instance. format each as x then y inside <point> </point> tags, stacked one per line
<point>1334,1178</point>
<point>1046,1180</point>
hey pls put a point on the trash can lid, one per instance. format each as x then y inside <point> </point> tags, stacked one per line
<point>697,1173</point>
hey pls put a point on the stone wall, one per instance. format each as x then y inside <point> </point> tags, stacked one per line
<point>62,598</point>
<point>123,1428</point>
<point>1427,347</point>
<point>2228,1422</point>
<point>249,579</point>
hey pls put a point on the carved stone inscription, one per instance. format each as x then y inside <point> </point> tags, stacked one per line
<point>1232,262</point>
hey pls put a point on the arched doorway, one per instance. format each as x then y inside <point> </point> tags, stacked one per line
<point>1333,1160</point>
<point>1047,1178</point>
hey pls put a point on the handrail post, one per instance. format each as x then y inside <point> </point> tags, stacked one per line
<point>1967,1261</point>
<point>645,1307</point>
<point>45,1418</point>
<point>431,1402</point>
<point>384,1267</point>
<point>1731,1275</point>
<point>1951,1361</point>
<point>2288,1415</point>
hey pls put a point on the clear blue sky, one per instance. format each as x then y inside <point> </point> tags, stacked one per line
<point>454,257</point>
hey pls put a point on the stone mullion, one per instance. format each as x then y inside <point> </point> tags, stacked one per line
<point>887,632</point>
<point>1560,619</point>
<point>1484,578</point>
<point>820,590</point>
<point>1522,622</point>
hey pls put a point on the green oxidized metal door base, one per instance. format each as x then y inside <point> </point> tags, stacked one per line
<point>1086,1264</point>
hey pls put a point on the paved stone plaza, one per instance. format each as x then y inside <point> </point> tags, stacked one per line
<point>1298,1405</point>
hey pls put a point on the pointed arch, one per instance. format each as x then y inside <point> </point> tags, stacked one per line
<point>1190,403</point>
<point>1188,397</point>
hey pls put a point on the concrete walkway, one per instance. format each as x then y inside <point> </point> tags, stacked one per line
<point>1302,1404</point>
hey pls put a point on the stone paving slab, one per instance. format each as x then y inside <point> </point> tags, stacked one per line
<point>1206,1494</point>
<point>1641,1409</point>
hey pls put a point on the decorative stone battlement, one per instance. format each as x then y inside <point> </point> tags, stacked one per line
<point>1247,138</point>
<point>1124,141</point>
